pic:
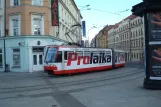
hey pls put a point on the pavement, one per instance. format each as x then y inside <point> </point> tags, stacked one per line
<point>100,89</point>
<point>125,94</point>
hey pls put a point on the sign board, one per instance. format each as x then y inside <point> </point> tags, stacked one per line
<point>84,28</point>
<point>54,13</point>
<point>154,45</point>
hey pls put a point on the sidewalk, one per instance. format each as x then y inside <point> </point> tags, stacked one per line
<point>125,94</point>
<point>135,64</point>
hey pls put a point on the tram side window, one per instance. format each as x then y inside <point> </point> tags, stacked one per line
<point>108,52</point>
<point>79,53</point>
<point>95,53</point>
<point>102,52</point>
<point>59,57</point>
<point>66,54</point>
<point>116,55</point>
<point>87,53</point>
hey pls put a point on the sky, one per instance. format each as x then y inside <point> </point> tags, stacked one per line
<point>104,12</point>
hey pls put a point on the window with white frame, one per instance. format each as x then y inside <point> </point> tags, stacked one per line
<point>14,2</point>
<point>16,57</point>
<point>37,2</point>
<point>1,60</point>
<point>14,25</point>
<point>37,25</point>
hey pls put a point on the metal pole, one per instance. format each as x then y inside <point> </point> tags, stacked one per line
<point>95,42</point>
<point>4,36</point>
<point>130,40</point>
<point>79,30</point>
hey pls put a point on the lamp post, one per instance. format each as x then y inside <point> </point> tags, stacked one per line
<point>88,34</point>
<point>79,21</point>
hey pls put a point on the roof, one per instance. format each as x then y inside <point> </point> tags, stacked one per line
<point>110,27</point>
<point>130,17</point>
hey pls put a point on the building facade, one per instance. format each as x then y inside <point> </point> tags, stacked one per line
<point>100,40</point>
<point>92,44</point>
<point>30,27</point>
<point>128,35</point>
<point>86,43</point>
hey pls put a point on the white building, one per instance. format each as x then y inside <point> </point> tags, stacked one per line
<point>128,36</point>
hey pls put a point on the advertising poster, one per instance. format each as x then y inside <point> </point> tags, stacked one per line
<point>155,61</point>
<point>154,42</point>
<point>154,26</point>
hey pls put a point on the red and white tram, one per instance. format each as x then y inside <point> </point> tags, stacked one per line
<point>68,60</point>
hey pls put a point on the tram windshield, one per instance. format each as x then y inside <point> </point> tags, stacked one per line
<point>51,55</point>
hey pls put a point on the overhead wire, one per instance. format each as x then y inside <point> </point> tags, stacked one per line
<point>115,13</point>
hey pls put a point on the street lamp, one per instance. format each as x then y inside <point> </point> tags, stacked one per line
<point>84,7</point>
<point>88,34</point>
<point>79,21</point>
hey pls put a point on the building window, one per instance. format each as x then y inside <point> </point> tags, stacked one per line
<point>0,3</point>
<point>37,25</point>
<point>141,32</point>
<point>14,25</point>
<point>1,61</point>
<point>14,2</point>
<point>0,28</point>
<point>16,57</point>
<point>37,2</point>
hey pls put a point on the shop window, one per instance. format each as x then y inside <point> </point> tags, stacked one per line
<point>16,57</point>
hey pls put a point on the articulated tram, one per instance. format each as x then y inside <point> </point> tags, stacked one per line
<point>69,60</point>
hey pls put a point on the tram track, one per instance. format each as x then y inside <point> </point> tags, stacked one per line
<point>51,85</point>
<point>104,78</point>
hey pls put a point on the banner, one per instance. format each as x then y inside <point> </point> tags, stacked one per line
<point>84,28</point>
<point>155,61</point>
<point>54,13</point>
<point>155,45</point>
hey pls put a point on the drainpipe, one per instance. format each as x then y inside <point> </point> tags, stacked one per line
<point>4,36</point>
